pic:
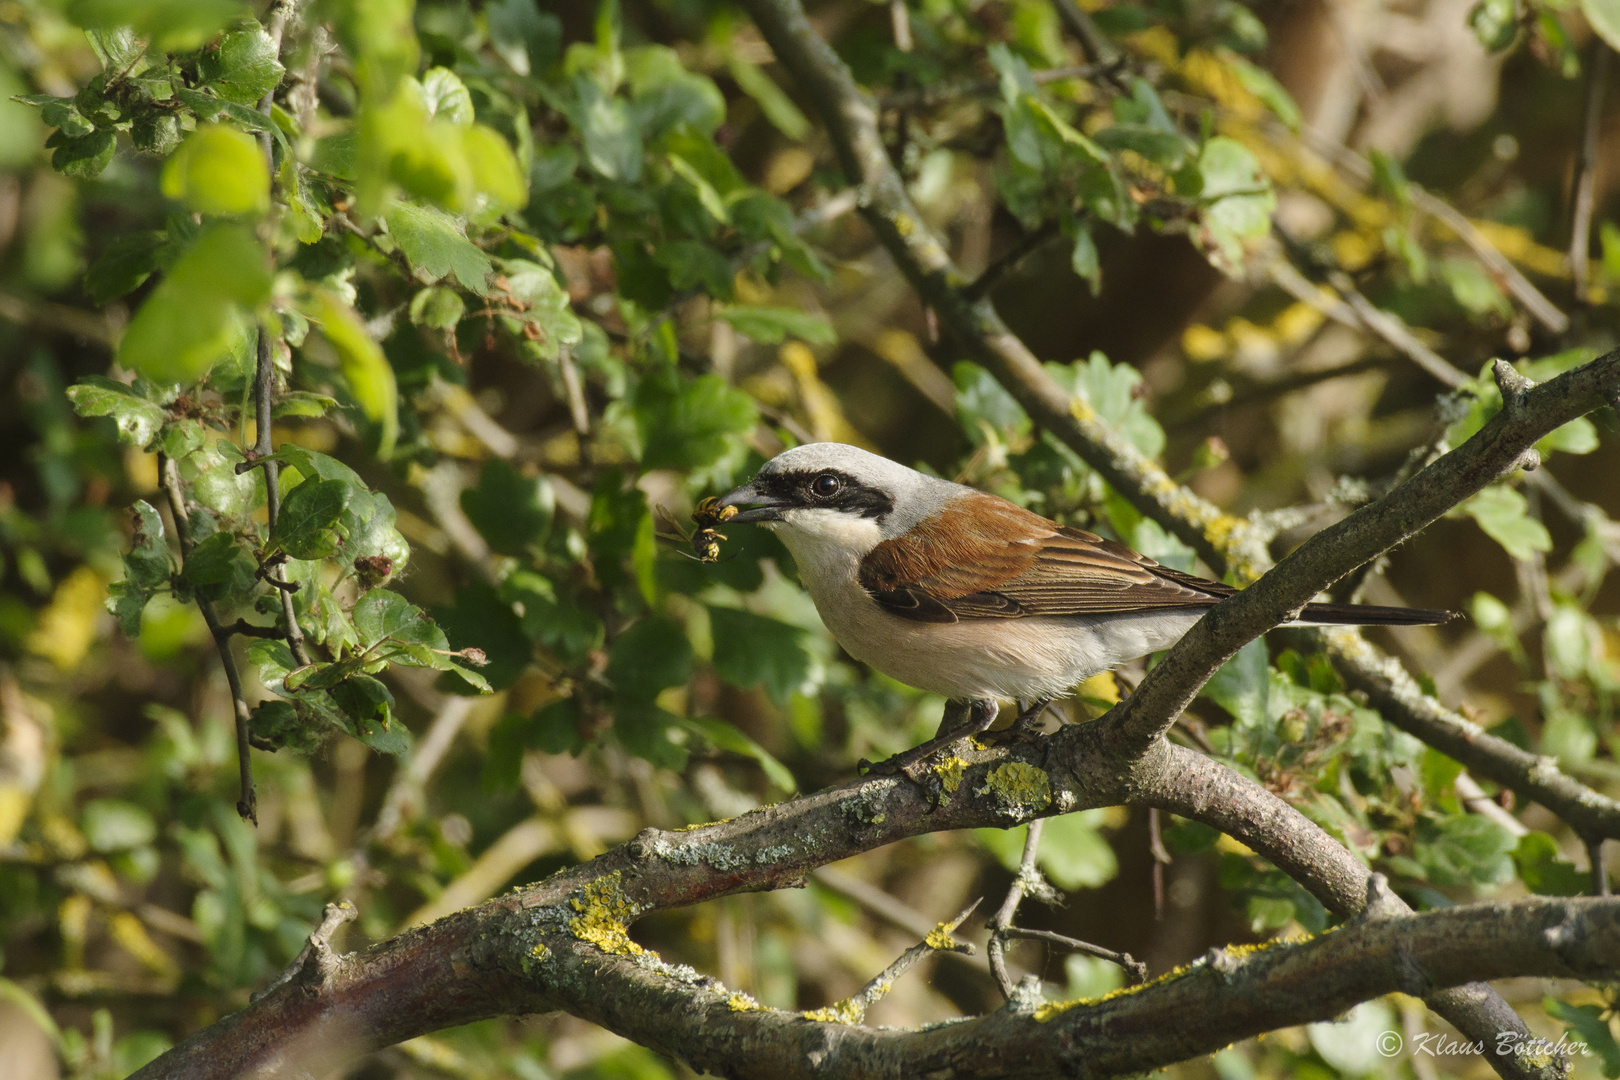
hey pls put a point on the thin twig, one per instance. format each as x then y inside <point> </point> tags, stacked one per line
<point>1161,859</point>
<point>169,480</point>
<point>885,906</point>
<point>318,948</point>
<point>1135,970</point>
<point>1098,48</point>
<point>1586,166</point>
<point>1025,246</point>
<point>1600,875</point>
<point>939,93</point>
<point>1027,880</point>
<point>938,940</point>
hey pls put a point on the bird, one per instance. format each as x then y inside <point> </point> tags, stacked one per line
<point>967,595</point>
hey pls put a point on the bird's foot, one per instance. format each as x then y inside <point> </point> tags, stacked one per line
<point>915,764</point>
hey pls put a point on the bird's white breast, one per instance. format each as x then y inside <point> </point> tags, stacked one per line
<point>1029,659</point>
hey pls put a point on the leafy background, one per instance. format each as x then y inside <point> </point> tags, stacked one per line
<point>534,280</point>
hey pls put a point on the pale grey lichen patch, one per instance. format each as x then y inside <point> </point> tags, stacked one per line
<point>712,853</point>
<point>870,806</point>
<point>774,853</point>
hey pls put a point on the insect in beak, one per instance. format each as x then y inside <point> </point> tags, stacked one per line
<point>760,507</point>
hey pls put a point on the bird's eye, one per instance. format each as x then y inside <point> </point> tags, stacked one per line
<point>826,485</point>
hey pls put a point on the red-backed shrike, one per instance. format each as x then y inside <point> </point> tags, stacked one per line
<point>965,594</point>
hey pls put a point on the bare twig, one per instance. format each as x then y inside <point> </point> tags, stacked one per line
<point>1600,874</point>
<point>1024,247</point>
<point>169,480</point>
<point>1027,880</point>
<point>318,949</point>
<point>1586,165</point>
<point>950,91</point>
<point>939,939</point>
<point>1098,48</point>
<point>1135,970</point>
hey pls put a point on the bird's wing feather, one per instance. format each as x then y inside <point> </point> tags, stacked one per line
<point>981,557</point>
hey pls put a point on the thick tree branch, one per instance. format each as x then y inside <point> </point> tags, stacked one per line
<point>1504,444</point>
<point>562,944</point>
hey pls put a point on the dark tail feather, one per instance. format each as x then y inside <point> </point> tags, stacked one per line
<point>1371,615</point>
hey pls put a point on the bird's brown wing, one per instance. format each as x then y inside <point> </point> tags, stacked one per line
<point>982,557</point>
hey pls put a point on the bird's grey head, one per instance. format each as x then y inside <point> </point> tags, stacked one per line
<point>834,488</point>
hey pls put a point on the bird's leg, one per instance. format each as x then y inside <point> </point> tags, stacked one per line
<point>980,715</point>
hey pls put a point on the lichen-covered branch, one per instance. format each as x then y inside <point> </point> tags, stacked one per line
<point>563,944</point>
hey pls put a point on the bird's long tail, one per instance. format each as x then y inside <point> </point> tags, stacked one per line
<point>1370,615</point>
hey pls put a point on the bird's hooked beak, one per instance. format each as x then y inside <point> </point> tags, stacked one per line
<point>759,506</point>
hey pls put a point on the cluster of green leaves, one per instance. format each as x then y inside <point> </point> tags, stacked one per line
<point>1139,156</point>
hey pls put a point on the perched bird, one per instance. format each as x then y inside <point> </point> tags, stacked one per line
<point>962,593</point>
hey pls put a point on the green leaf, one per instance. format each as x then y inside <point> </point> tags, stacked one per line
<point>643,728</point>
<point>219,170</point>
<point>612,136</point>
<point>523,36</point>
<point>1238,203</point>
<point>983,403</point>
<point>1590,1023</point>
<point>242,67</point>
<point>511,511</point>
<point>370,378</point>
<point>1085,260</point>
<point>1110,390</point>
<point>1502,512</point>
<point>547,323</point>
<point>138,419</point>
<point>1544,872</point>
<point>1579,436</point>
<point>1074,854</point>
<point>147,564</point>
<point>773,101</point>
<point>1604,15</point>
<point>304,529</point>
<point>368,705</point>
<point>127,261</point>
<point>689,424</point>
<point>190,320</point>
<point>1260,82</point>
<point>156,134</point>
<point>216,484</point>
<point>172,26</point>
<point>1167,149</point>
<point>651,656</point>
<point>439,308</point>
<point>724,736</point>
<point>115,825</point>
<point>83,157</point>
<point>146,571</point>
<point>435,243</point>
<point>1467,849</point>
<point>303,403</point>
<point>220,568</point>
<point>1242,686</point>
<point>384,615</point>
<point>770,325</point>
<point>751,650</point>
<point>446,96</point>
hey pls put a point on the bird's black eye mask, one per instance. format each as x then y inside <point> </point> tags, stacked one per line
<point>824,489</point>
